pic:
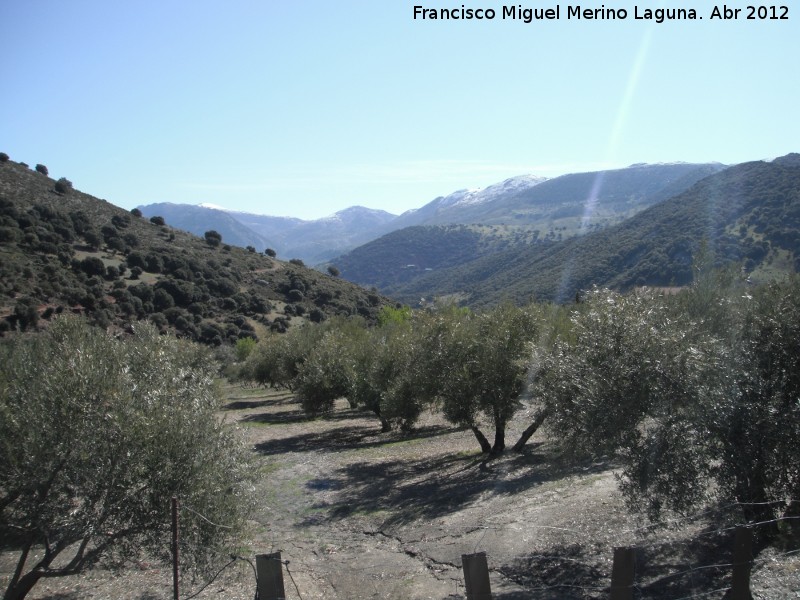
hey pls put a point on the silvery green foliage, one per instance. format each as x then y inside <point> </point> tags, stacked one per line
<point>696,395</point>
<point>98,433</point>
<point>625,384</point>
<point>384,375</point>
<point>477,365</point>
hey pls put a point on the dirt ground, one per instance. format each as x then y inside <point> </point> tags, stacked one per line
<point>359,514</point>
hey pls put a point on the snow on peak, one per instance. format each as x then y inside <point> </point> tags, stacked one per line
<point>479,196</point>
<point>212,206</point>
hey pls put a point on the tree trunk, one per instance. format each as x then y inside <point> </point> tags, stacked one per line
<point>385,425</point>
<point>528,433</point>
<point>499,439</point>
<point>23,557</point>
<point>486,447</point>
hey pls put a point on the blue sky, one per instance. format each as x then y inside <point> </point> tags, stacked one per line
<point>303,108</point>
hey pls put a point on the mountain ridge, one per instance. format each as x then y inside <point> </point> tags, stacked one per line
<point>748,213</point>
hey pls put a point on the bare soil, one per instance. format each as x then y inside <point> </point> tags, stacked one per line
<point>359,514</point>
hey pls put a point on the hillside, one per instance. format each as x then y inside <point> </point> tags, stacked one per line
<point>546,209</point>
<point>518,212</point>
<point>313,241</point>
<point>199,219</point>
<point>75,253</point>
<point>748,214</point>
<point>559,204</point>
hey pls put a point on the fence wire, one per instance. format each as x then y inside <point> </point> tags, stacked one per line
<point>559,589</point>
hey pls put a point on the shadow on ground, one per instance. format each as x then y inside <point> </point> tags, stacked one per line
<point>432,487</point>
<point>344,438</point>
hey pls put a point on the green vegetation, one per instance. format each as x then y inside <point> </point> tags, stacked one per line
<point>694,393</point>
<point>63,186</point>
<point>69,252</point>
<point>213,238</point>
<point>749,215</point>
<point>96,435</point>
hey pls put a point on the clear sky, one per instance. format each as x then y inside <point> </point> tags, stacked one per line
<point>306,107</point>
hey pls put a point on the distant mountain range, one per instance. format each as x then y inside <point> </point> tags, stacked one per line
<point>314,241</point>
<point>533,203</point>
<point>517,212</point>
<point>748,214</point>
<point>518,240</point>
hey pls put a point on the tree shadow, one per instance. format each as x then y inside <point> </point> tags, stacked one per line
<point>686,566</point>
<point>563,572</point>
<point>244,403</point>
<point>432,487</point>
<point>344,438</point>
<point>299,416</point>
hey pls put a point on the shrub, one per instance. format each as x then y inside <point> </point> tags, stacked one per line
<point>3,157</point>
<point>136,212</point>
<point>117,434</point>
<point>91,265</point>
<point>244,347</point>
<point>63,186</point>
<point>213,238</point>
<point>25,313</point>
<point>270,252</point>
<point>42,169</point>
<point>156,220</point>
<point>120,221</point>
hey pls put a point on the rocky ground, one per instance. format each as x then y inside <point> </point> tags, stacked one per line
<point>359,514</point>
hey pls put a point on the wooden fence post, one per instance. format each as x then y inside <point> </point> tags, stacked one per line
<point>476,576</point>
<point>742,563</point>
<point>623,573</point>
<point>270,576</point>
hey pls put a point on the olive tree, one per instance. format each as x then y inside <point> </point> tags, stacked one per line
<point>96,435</point>
<point>278,358</point>
<point>324,374</point>
<point>625,384</point>
<point>477,366</point>
<point>384,375</point>
<point>695,409</point>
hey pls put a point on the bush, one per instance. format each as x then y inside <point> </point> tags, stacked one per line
<point>213,238</point>
<point>270,252</point>
<point>118,433</point>
<point>63,186</point>
<point>156,220</point>
<point>3,157</point>
<point>244,347</point>
<point>42,169</point>
<point>91,265</point>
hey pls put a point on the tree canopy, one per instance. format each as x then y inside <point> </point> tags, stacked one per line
<point>96,435</point>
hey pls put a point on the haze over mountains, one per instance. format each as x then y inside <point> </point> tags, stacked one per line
<point>517,201</point>
<point>747,215</point>
<point>518,240</point>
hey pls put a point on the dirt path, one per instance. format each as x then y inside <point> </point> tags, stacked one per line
<point>359,514</point>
